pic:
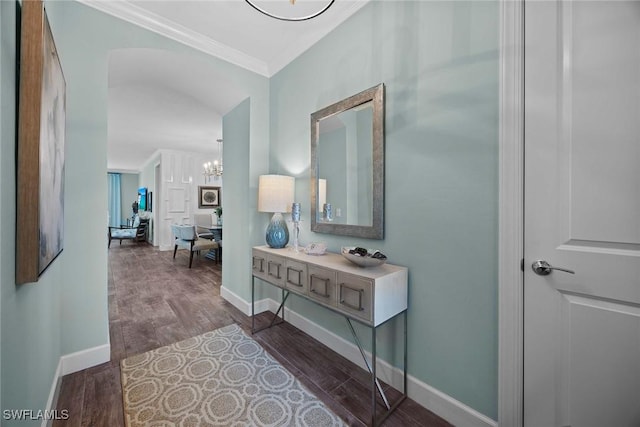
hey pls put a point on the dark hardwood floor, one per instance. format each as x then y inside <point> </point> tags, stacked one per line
<point>155,300</point>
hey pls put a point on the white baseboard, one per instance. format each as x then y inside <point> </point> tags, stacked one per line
<point>53,394</point>
<point>244,306</point>
<point>84,359</point>
<point>443,405</point>
<point>74,362</point>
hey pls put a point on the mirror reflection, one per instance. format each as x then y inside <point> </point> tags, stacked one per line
<point>347,166</point>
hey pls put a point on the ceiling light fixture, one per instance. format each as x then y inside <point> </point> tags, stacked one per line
<point>214,170</point>
<point>323,9</point>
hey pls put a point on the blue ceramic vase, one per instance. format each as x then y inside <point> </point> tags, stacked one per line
<point>277,232</point>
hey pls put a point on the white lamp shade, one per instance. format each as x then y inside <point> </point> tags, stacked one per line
<point>275,193</point>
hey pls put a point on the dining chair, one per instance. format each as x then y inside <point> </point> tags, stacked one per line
<point>203,223</point>
<point>186,237</point>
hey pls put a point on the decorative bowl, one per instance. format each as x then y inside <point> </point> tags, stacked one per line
<point>364,261</point>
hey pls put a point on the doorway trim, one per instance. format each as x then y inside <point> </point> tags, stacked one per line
<point>157,184</point>
<point>511,215</point>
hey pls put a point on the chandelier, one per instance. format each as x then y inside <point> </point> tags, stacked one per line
<point>214,169</point>
<point>253,4</point>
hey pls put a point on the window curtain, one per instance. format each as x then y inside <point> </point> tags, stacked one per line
<point>115,199</point>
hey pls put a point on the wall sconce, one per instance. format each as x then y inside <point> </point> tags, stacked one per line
<point>275,195</point>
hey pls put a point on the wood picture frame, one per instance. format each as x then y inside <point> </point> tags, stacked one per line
<point>208,197</point>
<point>40,152</point>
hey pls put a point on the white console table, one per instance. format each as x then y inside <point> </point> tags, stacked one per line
<point>371,296</point>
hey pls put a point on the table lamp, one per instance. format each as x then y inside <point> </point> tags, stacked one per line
<point>275,195</point>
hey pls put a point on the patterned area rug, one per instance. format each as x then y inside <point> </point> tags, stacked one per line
<point>221,378</point>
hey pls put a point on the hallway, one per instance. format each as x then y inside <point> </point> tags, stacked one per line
<point>155,301</point>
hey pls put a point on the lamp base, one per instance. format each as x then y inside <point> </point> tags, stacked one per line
<point>277,232</point>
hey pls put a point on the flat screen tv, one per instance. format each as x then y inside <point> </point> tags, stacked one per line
<point>142,198</point>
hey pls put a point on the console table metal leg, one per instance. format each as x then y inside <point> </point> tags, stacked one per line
<point>253,314</point>
<point>275,316</point>
<point>284,298</point>
<point>406,335</point>
<point>374,382</point>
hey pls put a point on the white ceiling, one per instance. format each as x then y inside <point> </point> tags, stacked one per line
<point>162,100</point>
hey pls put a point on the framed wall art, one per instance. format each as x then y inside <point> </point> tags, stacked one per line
<point>41,142</point>
<point>208,197</point>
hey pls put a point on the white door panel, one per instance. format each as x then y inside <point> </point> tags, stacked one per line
<point>596,357</point>
<point>601,96</point>
<point>582,212</point>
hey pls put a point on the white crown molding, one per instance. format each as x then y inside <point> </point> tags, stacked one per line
<point>153,22</point>
<point>129,171</point>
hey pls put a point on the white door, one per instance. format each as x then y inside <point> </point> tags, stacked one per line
<point>582,212</point>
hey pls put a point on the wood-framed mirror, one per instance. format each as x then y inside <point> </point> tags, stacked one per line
<point>347,166</point>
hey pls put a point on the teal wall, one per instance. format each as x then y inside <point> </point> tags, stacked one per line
<point>7,117</point>
<point>241,213</point>
<point>439,63</point>
<point>30,315</point>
